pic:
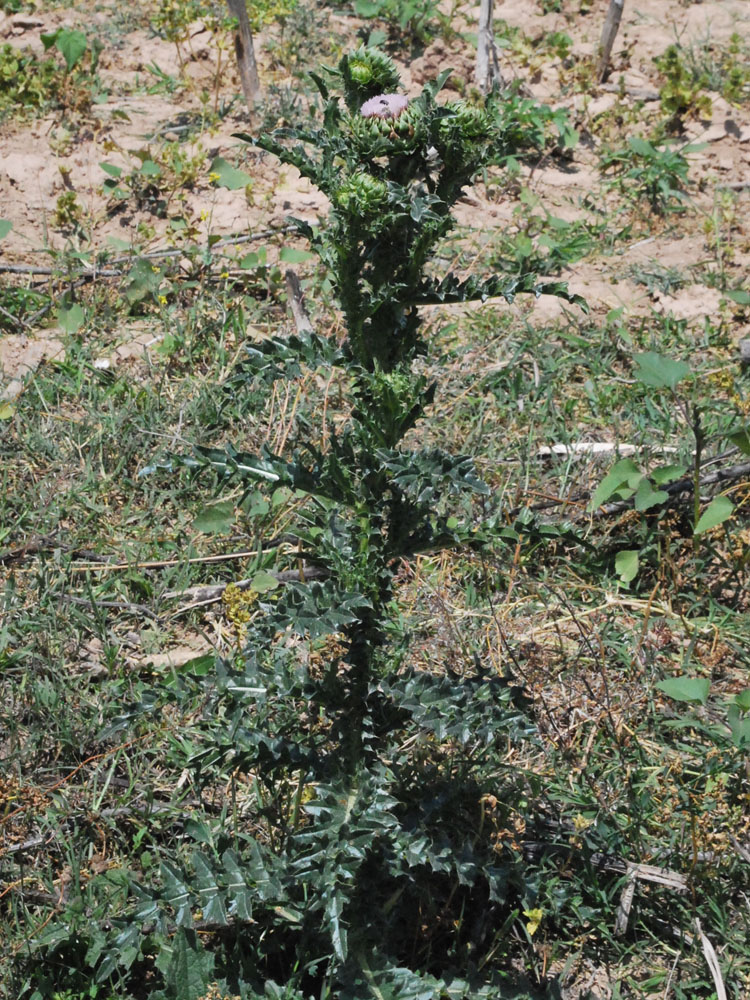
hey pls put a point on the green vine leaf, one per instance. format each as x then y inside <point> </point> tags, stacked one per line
<point>718,511</point>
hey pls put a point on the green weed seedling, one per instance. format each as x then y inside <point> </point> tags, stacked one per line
<point>543,243</point>
<point>28,83</point>
<point>692,71</point>
<point>627,481</point>
<point>157,182</point>
<point>412,20</point>
<point>688,690</point>
<point>173,20</point>
<point>657,175</point>
<point>683,93</point>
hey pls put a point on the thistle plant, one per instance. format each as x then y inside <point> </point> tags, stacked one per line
<point>374,881</point>
<point>392,169</point>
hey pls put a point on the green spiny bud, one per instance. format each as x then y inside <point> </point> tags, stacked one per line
<point>375,136</point>
<point>467,120</point>
<point>367,72</point>
<point>362,193</point>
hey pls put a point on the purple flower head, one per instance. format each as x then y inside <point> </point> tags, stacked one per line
<point>384,106</point>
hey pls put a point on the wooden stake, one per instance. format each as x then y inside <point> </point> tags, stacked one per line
<point>609,33</point>
<point>243,47</point>
<point>488,67</point>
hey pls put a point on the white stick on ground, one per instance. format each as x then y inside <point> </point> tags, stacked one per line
<point>712,960</point>
<point>243,47</point>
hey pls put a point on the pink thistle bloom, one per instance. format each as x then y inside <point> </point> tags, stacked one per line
<point>384,106</point>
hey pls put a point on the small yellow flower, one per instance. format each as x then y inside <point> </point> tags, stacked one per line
<point>237,607</point>
<point>213,177</point>
<point>163,300</point>
<point>535,919</point>
<point>581,823</point>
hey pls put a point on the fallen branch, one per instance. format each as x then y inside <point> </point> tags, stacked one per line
<point>675,490</point>
<point>639,93</point>
<point>47,543</point>
<point>113,271</point>
<point>140,609</point>
<point>163,563</point>
<point>94,272</point>
<point>214,592</point>
<point>228,241</point>
<point>595,448</point>
<point>15,320</point>
<point>679,488</point>
<point>712,960</point>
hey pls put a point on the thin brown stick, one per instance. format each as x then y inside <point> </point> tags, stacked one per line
<point>214,592</point>
<point>15,320</point>
<point>111,272</point>
<point>639,93</point>
<point>680,486</point>
<point>139,609</point>
<point>162,563</point>
<point>48,271</point>
<point>712,960</point>
<point>45,543</point>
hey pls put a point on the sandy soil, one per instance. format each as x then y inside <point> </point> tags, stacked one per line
<point>42,159</point>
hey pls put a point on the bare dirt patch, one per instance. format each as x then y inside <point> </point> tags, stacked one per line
<point>21,355</point>
<point>708,244</point>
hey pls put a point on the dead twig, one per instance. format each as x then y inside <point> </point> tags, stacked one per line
<point>712,960</point>
<point>681,486</point>
<point>742,851</point>
<point>93,272</point>
<point>297,304</point>
<point>15,320</point>
<point>47,543</point>
<point>229,241</point>
<point>639,93</point>
<point>214,592</point>
<point>71,774</point>
<point>140,609</point>
<point>676,489</point>
<point>163,563</point>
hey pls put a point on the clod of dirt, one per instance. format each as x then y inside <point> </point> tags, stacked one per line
<point>690,303</point>
<point>439,56</point>
<point>21,355</point>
